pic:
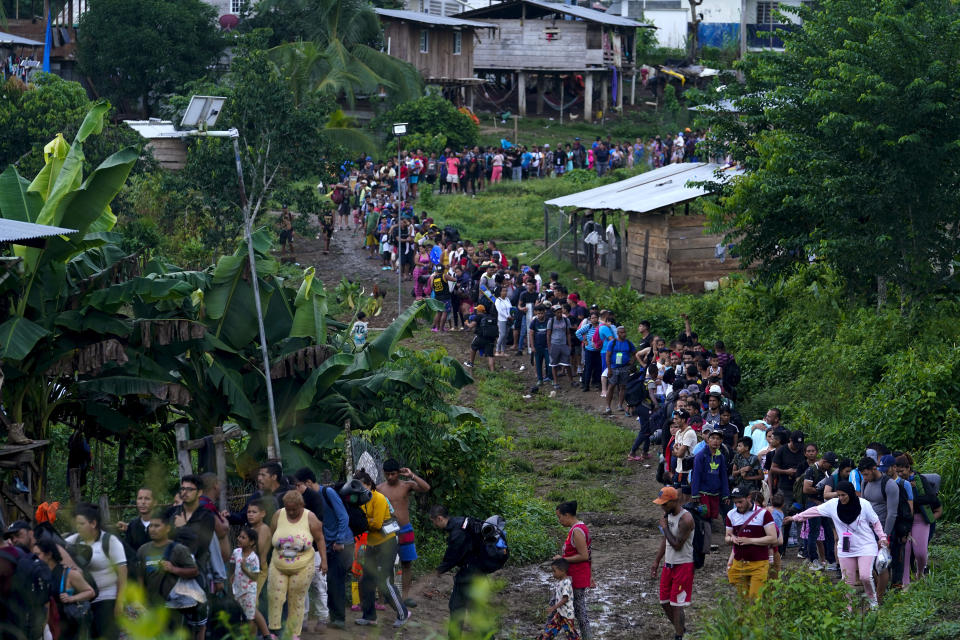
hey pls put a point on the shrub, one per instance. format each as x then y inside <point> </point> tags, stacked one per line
<point>432,114</point>
<point>798,606</point>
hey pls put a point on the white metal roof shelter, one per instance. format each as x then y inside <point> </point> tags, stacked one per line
<point>648,191</point>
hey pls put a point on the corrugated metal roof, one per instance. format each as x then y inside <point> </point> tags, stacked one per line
<point>155,128</point>
<point>9,38</point>
<point>428,18</point>
<point>648,191</point>
<point>14,230</point>
<point>583,13</point>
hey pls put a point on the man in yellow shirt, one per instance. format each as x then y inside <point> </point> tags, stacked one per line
<point>378,559</point>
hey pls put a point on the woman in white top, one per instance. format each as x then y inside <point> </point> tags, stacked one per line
<point>503,318</point>
<point>108,567</point>
<point>858,529</point>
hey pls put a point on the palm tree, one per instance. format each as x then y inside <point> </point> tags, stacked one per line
<point>335,55</point>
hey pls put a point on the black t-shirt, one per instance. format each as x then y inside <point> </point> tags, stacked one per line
<point>440,289</point>
<point>814,474</point>
<point>787,459</point>
<point>313,501</point>
<point>529,298</point>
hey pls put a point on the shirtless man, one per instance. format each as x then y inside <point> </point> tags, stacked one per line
<point>397,492</point>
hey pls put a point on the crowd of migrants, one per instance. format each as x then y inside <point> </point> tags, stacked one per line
<point>297,555</point>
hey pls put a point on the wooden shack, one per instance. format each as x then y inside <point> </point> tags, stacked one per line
<point>440,47</point>
<point>655,242</point>
<point>165,141</point>
<point>558,49</point>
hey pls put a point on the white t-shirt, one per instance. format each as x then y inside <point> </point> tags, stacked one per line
<point>689,438</point>
<point>564,588</point>
<point>503,309</point>
<point>863,541</point>
<point>103,568</point>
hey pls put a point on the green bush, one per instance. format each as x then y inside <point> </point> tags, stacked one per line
<point>798,606</point>
<point>431,115</point>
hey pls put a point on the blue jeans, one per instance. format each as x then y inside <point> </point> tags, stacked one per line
<point>643,436</point>
<point>815,525</point>
<point>523,334</point>
<point>542,357</point>
<point>592,368</point>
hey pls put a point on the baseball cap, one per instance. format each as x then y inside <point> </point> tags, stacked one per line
<point>707,428</point>
<point>716,391</point>
<point>16,527</point>
<point>886,462</point>
<point>693,389</point>
<point>872,453</point>
<point>797,437</point>
<point>739,492</point>
<point>481,308</point>
<point>831,458</point>
<point>666,495</point>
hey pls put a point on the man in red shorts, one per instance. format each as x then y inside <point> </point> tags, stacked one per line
<point>676,550</point>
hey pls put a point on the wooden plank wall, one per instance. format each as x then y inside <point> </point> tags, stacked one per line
<point>439,62</point>
<point>170,153</point>
<point>522,44</point>
<point>692,254</point>
<point>658,269</point>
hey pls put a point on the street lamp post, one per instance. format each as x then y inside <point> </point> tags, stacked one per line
<point>202,112</point>
<point>399,130</point>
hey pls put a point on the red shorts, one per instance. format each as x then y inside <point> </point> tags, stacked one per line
<point>676,584</point>
<point>712,503</point>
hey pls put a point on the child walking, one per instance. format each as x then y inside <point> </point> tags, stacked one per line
<point>246,570</point>
<point>560,616</point>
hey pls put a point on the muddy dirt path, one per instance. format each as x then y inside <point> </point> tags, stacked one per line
<point>625,603</point>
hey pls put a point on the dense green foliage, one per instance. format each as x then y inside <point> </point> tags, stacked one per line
<point>431,115</point>
<point>192,215</point>
<point>849,138</point>
<point>31,115</point>
<point>139,51</point>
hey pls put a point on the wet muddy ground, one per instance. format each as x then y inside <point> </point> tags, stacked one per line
<point>625,603</point>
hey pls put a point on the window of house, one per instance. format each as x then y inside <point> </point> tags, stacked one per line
<point>766,13</point>
<point>457,43</point>
<point>424,41</point>
<point>594,37</point>
<point>236,6</point>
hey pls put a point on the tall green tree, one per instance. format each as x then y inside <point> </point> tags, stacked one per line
<point>333,47</point>
<point>850,140</point>
<point>134,52</point>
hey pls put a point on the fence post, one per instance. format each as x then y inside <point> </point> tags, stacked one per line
<point>104,511</point>
<point>348,447</point>
<point>646,252</point>
<point>219,448</point>
<point>576,245</point>
<point>181,431</point>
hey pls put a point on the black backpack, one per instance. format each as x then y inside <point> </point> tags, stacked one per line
<point>701,534</point>
<point>487,328</point>
<point>490,547</point>
<point>30,585</point>
<point>731,373</point>
<point>904,522</point>
<point>357,518</point>
<point>452,233</point>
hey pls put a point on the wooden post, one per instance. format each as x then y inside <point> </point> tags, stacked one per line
<point>348,447</point>
<point>521,94</point>
<point>546,227</point>
<point>73,479</point>
<point>104,511</point>
<point>605,94</point>
<point>219,448</point>
<point>560,82</point>
<point>541,85</point>
<point>646,252</point>
<point>633,89</point>
<point>181,431</point>
<point>516,139</point>
<point>576,246</point>
<point>588,96</point>
<point>620,90</point>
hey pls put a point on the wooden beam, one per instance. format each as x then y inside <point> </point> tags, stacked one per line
<point>221,457</point>
<point>182,433</point>
<point>646,252</point>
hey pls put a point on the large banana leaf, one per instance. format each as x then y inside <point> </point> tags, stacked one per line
<point>145,289</point>
<point>230,383</point>
<point>16,202</point>
<point>380,349</point>
<point>310,317</point>
<point>229,301</point>
<point>18,337</point>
